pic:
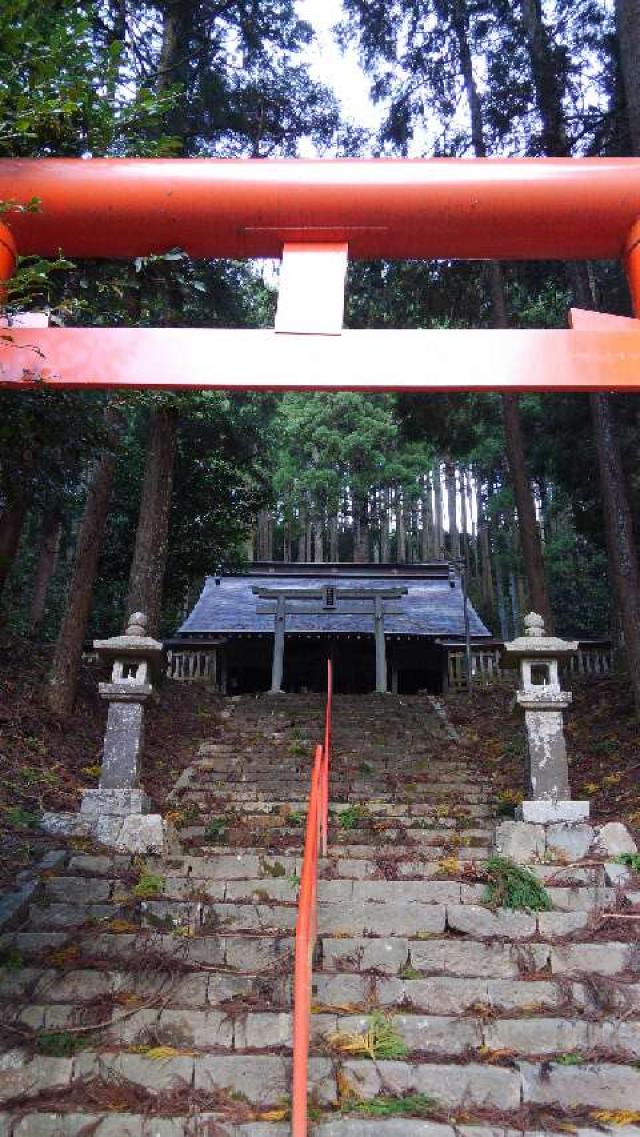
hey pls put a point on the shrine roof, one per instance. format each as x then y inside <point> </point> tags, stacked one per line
<point>431,608</point>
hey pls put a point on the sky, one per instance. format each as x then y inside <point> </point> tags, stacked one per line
<point>330,65</point>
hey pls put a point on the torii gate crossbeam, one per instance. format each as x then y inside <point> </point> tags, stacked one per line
<point>491,208</point>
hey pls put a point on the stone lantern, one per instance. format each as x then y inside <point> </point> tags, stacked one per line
<point>136,660</point>
<point>116,813</point>
<point>544,701</point>
<point>114,808</point>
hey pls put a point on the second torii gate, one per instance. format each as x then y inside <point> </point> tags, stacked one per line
<point>329,596</point>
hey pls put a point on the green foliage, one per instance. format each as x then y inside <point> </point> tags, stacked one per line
<point>511,886</point>
<point>217,830</point>
<point>61,93</point>
<point>11,959</point>
<point>148,884</point>
<point>24,818</point>
<point>379,1040</point>
<point>385,1105</point>
<point>273,868</point>
<point>632,860</point>
<point>351,817</point>
<point>59,1043</point>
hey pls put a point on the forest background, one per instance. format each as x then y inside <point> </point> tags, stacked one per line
<point>116,503</point>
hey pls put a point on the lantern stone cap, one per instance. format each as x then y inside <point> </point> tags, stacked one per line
<point>133,642</point>
<point>536,643</point>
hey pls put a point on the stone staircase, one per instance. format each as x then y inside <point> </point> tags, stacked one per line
<point>152,998</point>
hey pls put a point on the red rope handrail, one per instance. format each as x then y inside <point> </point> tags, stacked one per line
<point>315,843</point>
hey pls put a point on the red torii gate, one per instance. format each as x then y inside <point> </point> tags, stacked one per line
<point>314,214</point>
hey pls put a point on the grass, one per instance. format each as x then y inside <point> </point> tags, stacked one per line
<point>413,1105</point>
<point>631,860</point>
<point>149,884</point>
<point>22,818</point>
<point>274,869</point>
<point>59,1043</point>
<point>511,886</point>
<point>216,830</point>
<point>379,1040</point>
<point>12,959</point>
<point>409,972</point>
<point>351,817</point>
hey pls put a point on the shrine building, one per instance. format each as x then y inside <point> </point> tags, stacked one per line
<point>387,627</point>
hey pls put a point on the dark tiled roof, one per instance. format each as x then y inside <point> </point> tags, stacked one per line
<point>431,607</point>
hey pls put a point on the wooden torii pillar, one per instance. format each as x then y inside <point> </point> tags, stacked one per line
<point>328,596</point>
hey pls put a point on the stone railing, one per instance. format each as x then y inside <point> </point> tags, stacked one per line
<point>485,663</point>
<point>593,657</point>
<point>192,665</point>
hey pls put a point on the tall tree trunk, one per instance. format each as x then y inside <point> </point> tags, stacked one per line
<point>401,528</point>
<point>531,545</point>
<point>45,568</point>
<point>485,541</point>
<point>502,611</point>
<point>426,512</point>
<point>515,607</point>
<point>450,482</point>
<point>302,537</point>
<point>286,541</point>
<point>360,530</point>
<point>63,679</point>
<point>11,526</point>
<point>628,31</point>
<point>318,545</point>
<point>175,62</point>
<point>623,556</point>
<point>147,571</point>
<point>473,522</point>
<point>385,516</point>
<point>333,537</point>
<point>527,521</point>
<point>152,536</point>
<point>438,533</point>
<point>547,80</point>
<point>464,522</point>
<point>619,532</point>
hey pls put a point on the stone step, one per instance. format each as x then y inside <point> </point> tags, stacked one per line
<point>260,1080</point>
<point>244,953</point>
<point>265,1080</point>
<point>282,808</point>
<point>351,862</point>
<point>598,1085</point>
<point>77,1124</point>
<point>135,1125</point>
<point>452,1036</point>
<point>452,956</point>
<point>271,1031</point>
<point>382,907</point>
<point>425,795</point>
